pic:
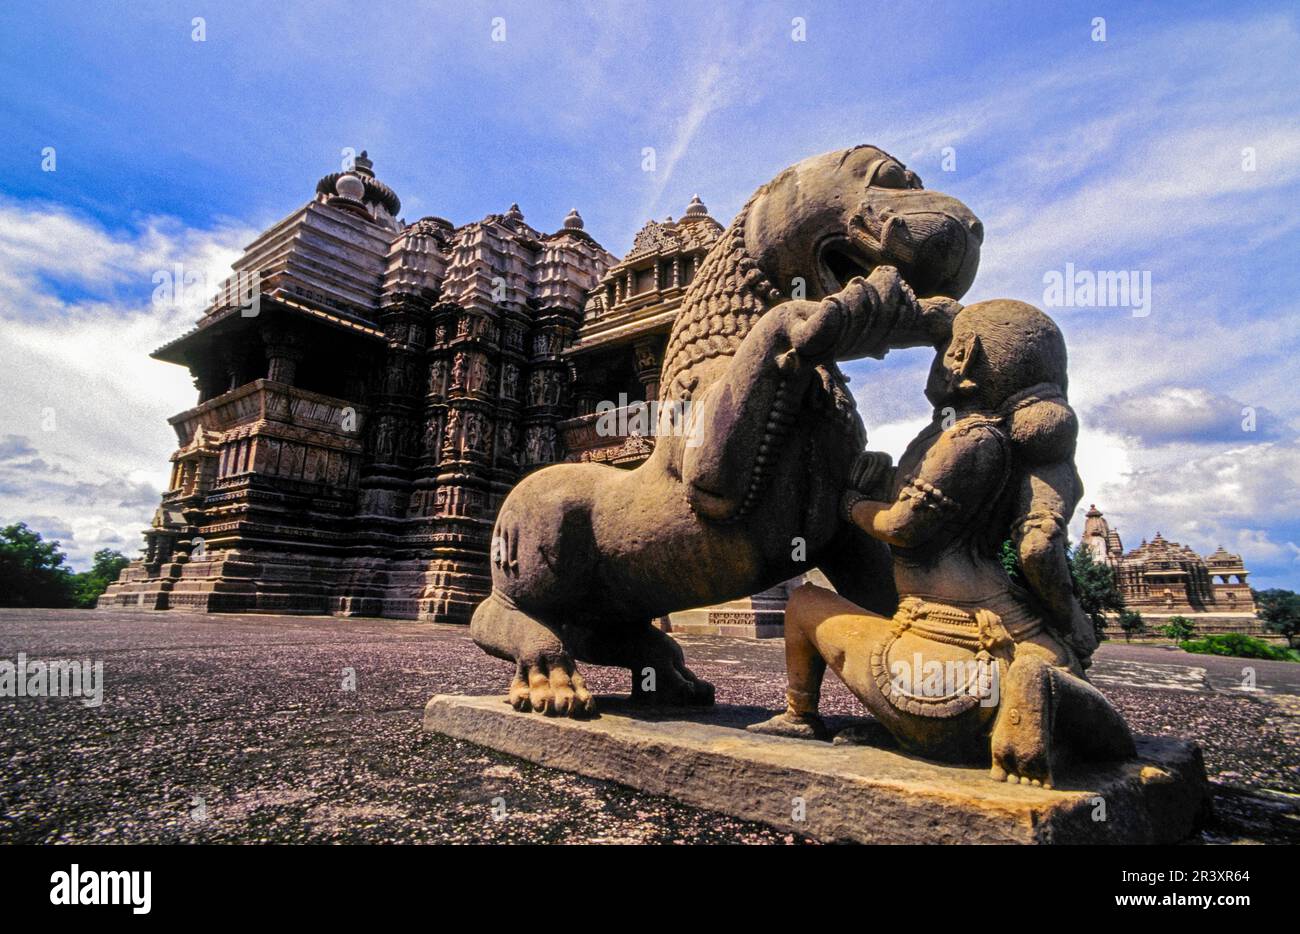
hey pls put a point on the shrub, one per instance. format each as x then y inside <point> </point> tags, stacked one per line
<point>1132,623</point>
<point>1179,628</point>
<point>1237,645</point>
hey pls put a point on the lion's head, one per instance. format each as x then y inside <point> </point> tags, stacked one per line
<point>842,214</point>
<point>804,235</point>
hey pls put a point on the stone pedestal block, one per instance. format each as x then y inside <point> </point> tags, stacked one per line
<point>841,793</point>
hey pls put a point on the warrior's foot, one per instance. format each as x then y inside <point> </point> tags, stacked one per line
<point>1021,758</point>
<point>551,686</point>
<point>794,726</point>
<point>1022,732</point>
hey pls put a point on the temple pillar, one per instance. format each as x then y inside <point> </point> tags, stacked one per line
<point>284,352</point>
<point>646,354</point>
<point>229,369</point>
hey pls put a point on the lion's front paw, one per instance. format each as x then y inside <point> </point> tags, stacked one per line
<point>699,693</point>
<point>551,686</point>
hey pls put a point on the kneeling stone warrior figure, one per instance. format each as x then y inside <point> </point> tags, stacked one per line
<point>996,462</point>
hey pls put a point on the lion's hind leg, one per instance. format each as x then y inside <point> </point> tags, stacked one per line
<point>658,665</point>
<point>546,679</point>
<point>661,666</point>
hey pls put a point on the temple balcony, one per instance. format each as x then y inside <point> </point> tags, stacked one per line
<point>298,440</point>
<point>266,400</point>
<point>616,437</point>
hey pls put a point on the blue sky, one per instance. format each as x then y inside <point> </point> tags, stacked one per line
<point>1119,155</point>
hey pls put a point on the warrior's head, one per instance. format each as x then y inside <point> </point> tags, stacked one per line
<point>998,348</point>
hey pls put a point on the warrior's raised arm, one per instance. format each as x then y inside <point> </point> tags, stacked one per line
<point>1048,495</point>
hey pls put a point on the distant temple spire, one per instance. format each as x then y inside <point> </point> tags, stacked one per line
<point>696,208</point>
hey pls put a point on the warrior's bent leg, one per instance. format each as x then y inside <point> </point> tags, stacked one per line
<point>805,668</point>
<point>1044,709</point>
<point>821,629</point>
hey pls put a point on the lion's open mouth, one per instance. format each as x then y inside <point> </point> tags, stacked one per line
<point>839,260</point>
<point>871,240</point>
<point>888,239</point>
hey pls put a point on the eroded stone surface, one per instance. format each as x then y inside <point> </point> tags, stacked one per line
<point>757,435</point>
<point>845,793</point>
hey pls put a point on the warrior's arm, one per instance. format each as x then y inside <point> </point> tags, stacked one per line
<point>1047,495</point>
<point>904,523</point>
<point>950,478</point>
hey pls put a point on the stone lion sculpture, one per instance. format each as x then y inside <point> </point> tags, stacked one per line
<point>585,556</point>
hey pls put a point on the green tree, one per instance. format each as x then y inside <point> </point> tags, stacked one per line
<point>32,571</point>
<point>1280,612</point>
<point>1179,628</point>
<point>1011,562</point>
<point>1095,587</point>
<point>1132,623</point>
<point>88,585</point>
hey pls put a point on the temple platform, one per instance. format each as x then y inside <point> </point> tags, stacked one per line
<point>841,793</point>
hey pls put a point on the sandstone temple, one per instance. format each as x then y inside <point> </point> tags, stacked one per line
<point>369,390</point>
<point>1160,579</point>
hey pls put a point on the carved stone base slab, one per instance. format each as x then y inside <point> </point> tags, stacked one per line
<point>844,793</point>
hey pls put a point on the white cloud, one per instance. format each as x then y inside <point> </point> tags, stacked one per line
<point>1246,498</point>
<point>84,421</point>
<point>894,437</point>
<point>704,98</point>
<point>1190,414</point>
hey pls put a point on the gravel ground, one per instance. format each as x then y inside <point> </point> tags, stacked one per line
<point>238,729</point>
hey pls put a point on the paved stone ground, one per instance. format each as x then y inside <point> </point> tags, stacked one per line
<point>248,714</point>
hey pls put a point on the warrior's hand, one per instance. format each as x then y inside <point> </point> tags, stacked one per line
<point>1081,635</point>
<point>868,470</point>
<point>893,294</point>
<point>937,314</point>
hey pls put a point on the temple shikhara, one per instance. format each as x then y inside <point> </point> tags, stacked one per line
<point>1160,579</point>
<point>369,390</point>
